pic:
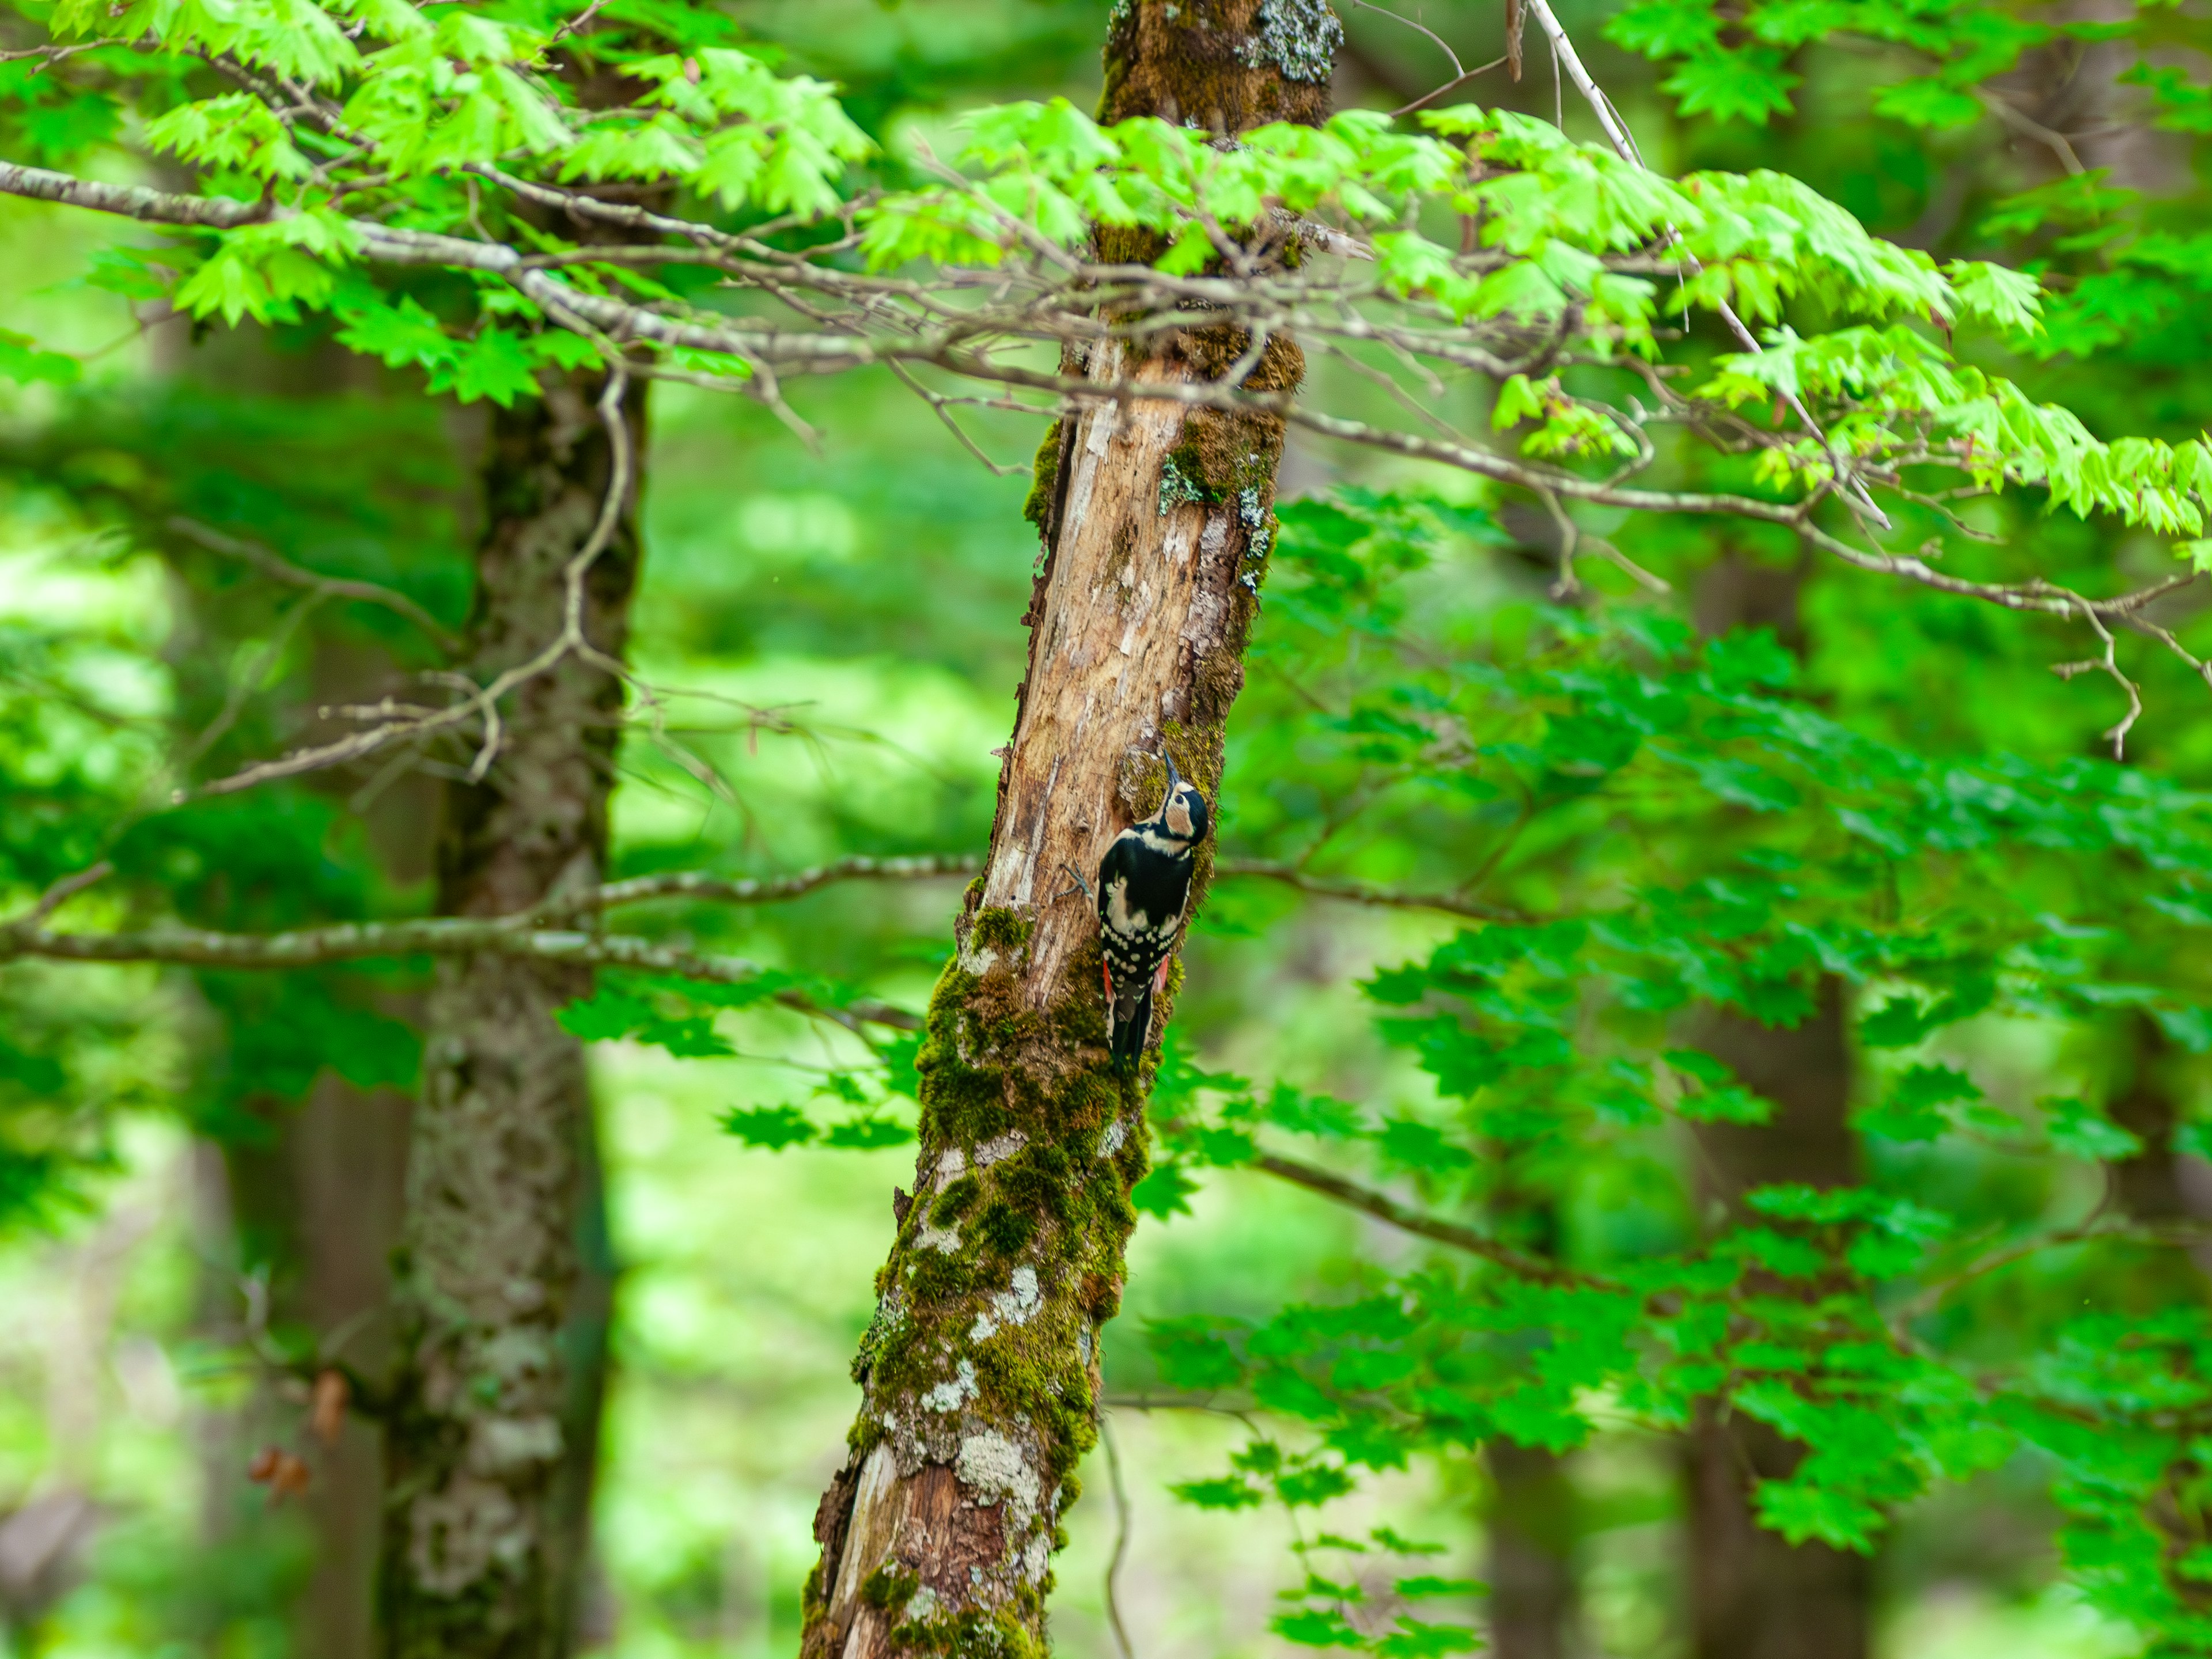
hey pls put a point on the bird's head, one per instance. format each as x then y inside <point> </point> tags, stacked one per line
<point>1184,814</point>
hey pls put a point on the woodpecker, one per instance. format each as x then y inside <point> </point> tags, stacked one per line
<point>1144,887</point>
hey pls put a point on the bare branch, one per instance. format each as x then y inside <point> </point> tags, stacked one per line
<point>131,201</point>
<point>52,899</point>
<point>273,564</point>
<point>1406,1218</point>
<point>762,889</point>
<point>312,947</point>
<point>1360,892</point>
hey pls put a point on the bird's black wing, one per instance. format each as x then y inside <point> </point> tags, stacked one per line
<point>1117,863</point>
<point>1181,890</point>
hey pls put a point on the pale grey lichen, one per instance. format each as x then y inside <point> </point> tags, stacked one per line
<point>502,1445</point>
<point>950,1396</point>
<point>1299,36</point>
<point>993,1465</point>
<point>1036,1558</point>
<point>1178,487</point>
<point>1016,1305</point>
<point>1012,1307</point>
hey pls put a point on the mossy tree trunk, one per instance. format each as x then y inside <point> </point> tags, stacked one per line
<point>980,1369</point>
<point>504,1277</point>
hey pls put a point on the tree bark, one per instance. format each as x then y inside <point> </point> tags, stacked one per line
<point>2149,1185</point>
<point>504,1279</point>
<point>980,1371</point>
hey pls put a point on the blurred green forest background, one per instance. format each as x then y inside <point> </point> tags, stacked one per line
<point>199,1159</point>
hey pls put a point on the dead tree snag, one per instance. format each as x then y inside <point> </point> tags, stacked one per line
<point>980,1368</point>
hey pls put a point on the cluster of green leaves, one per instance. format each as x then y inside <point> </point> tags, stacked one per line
<point>53,793</point>
<point>679,1015</point>
<point>1699,838</point>
<point>1344,1612</point>
<point>417,112</point>
<point>389,109</point>
<point>102,729</point>
<point>1551,212</point>
<point>2123,263</point>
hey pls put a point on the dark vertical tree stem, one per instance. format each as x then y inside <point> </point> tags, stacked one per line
<point>504,1282</point>
<point>1753,1594</point>
<point>1531,1527</point>
<point>980,1369</point>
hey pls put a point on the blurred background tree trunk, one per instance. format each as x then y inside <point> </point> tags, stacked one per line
<point>1532,1520</point>
<point>505,1276</point>
<point>1753,1594</point>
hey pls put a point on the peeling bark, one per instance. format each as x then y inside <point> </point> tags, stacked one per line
<point>503,1279</point>
<point>980,1368</point>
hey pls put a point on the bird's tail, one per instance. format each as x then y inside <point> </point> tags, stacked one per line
<point>1130,1023</point>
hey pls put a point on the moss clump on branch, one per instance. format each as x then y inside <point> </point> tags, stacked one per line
<point>1037,508</point>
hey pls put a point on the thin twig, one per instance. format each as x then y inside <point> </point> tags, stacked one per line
<point>273,564</point>
<point>310,947</point>
<point>52,899</point>
<point>1406,1218</point>
<point>1359,892</point>
<point>1120,1535</point>
<point>2055,141</point>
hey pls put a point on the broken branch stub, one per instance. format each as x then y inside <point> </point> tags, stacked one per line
<point>980,1367</point>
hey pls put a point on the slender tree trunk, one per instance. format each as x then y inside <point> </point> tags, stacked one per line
<point>2149,1185</point>
<point>980,1369</point>
<point>1753,1596</point>
<point>1531,1524</point>
<point>319,1200</point>
<point>504,1279</point>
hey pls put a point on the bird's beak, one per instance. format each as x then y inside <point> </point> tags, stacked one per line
<point>1175,778</point>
